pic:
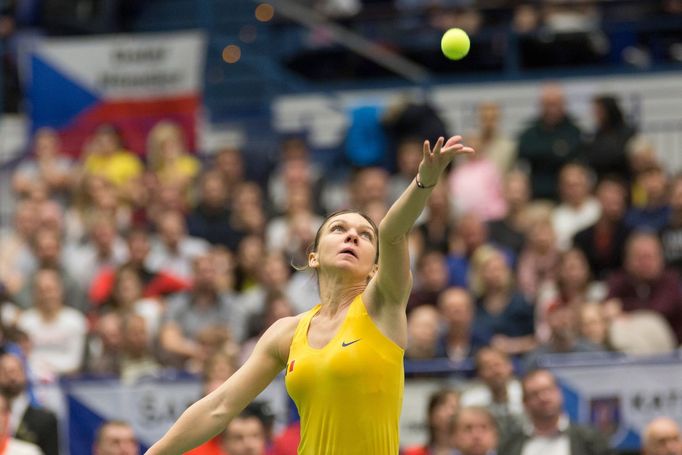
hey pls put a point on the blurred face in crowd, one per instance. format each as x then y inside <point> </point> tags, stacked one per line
<point>128,288</point>
<point>654,182</point>
<point>562,323</point>
<point>103,235</point>
<point>48,247</point>
<point>409,157</point>
<point>593,324</point>
<point>25,220</point>
<point>612,198</point>
<point>541,237</point>
<point>443,409</point>
<point>371,184</point>
<point>106,141</point>
<point>662,437</point>
<point>457,309</point>
<point>422,331</point>
<point>472,231</point>
<point>204,274</point>
<point>574,185</point>
<point>48,290</point>
<point>574,272</point>
<point>517,189</point>
<point>46,144</point>
<point>245,436</point>
<point>135,335</point>
<point>138,247</point>
<point>433,274</point>
<point>495,272</point>
<point>439,203</point>
<point>109,331</point>
<point>474,432</point>
<point>116,439</point>
<point>542,397</point>
<point>213,191</point>
<point>274,271</point>
<point>230,164</point>
<point>552,104</point>
<point>12,376</point>
<point>676,195</point>
<point>488,115</point>
<point>172,228</point>
<point>494,368</point>
<point>644,258</point>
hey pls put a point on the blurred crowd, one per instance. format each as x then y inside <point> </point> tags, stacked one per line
<point>556,242</point>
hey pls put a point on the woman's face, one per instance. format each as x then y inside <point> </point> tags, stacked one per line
<point>443,412</point>
<point>495,272</point>
<point>574,270</point>
<point>128,288</point>
<point>347,242</point>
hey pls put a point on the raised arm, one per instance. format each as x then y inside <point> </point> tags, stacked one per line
<point>393,280</point>
<point>210,415</point>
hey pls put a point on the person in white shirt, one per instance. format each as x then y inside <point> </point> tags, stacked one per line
<point>578,208</point>
<point>57,332</point>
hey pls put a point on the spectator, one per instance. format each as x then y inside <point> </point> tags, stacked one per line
<point>168,155</point>
<point>572,287</point>
<point>247,210</point>
<point>200,310</point>
<point>106,156</point>
<point>655,212</point>
<point>431,280</point>
<point>57,332</point>
<point>539,260</point>
<point>593,325</point>
<point>492,143</point>
<point>564,337</point>
<point>422,333</point>
<point>433,232</point>
<point>603,241</point>
<point>174,250</point>
<point>369,185</point>
<point>292,232</point>
<point>645,284</point>
<point>509,231</point>
<point>137,360</point>
<point>641,157</point>
<point>116,437</point>
<point>662,436</point>
<point>408,156</point>
<point>229,162</point>
<point>441,409</point>
<point>47,254</point>
<point>501,311</point>
<point>104,347</point>
<point>459,341</point>
<point>578,209</point>
<point>475,432</point>
<point>247,434</point>
<point>11,445</point>
<point>210,219</point>
<point>28,421</point>
<point>102,250</point>
<point>470,233</point>
<point>15,245</point>
<point>249,255</point>
<point>155,283</point>
<point>496,389</point>
<point>549,430</point>
<point>46,165</point>
<point>476,186</point>
<point>671,234</point>
<point>276,305</point>
<point>549,142</point>
<point>606,151</point>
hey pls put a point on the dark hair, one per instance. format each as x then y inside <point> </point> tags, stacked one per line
<point>316,242</point>
<point>531,374</point>
<point>110,423</point>
<point>436,399</point>
<point>477,410</point>
<point>613,115</point>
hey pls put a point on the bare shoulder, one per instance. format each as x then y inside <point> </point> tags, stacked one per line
<point>277,338</point>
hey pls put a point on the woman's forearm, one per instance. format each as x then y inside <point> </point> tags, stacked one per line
<point>404,212</point>
<point>199,423</point>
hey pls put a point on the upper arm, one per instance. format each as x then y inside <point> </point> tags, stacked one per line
<point>268,359</point>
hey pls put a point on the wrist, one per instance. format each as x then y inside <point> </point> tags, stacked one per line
<point>422,185</point>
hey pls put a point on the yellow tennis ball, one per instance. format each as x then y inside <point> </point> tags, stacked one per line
<point>455,43</point>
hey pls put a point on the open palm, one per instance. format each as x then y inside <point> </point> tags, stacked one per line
<point>436,159</point>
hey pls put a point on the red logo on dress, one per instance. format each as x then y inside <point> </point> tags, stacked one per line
<point>291,366</point>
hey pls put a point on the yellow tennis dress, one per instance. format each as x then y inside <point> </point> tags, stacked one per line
<point>348,393</point>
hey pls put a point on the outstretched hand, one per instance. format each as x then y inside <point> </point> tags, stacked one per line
<point>436,159</point>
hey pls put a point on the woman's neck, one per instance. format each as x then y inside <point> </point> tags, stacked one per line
<point>337,294</point>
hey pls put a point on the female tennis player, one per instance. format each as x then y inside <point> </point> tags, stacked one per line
<point>343,359</point>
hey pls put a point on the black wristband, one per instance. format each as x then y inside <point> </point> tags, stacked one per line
<point>421,185</point>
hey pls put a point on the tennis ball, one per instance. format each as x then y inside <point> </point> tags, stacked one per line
<point>455,44</point>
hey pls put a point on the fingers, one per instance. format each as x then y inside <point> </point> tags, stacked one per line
<point>453,140</point>
<point>427,148</point>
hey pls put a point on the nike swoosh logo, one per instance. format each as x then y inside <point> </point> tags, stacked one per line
<point>344,344</point>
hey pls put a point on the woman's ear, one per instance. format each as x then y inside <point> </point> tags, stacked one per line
<point>313,261</point>
<point>374,271</point>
